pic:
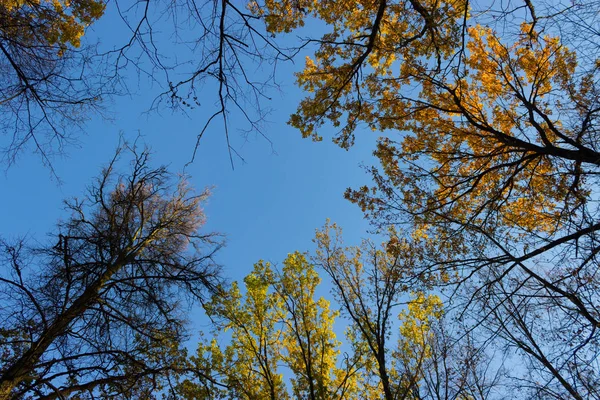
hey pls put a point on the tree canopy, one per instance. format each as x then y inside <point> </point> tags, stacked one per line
<point>279,328</point>
<point>99,313</point>
<point>485,192</point>
<point>489,160</point>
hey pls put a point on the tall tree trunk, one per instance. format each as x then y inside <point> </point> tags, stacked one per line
<point>22,368</point>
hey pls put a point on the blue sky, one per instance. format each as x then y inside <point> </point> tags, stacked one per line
<point>267,207</point>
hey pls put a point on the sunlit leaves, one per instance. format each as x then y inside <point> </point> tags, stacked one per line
<point>43,22</point>
<point>282,340</point>
<point>488,159</point>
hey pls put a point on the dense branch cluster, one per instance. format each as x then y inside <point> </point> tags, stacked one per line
<point>46,83</point>
<point>489,162</point>
<point>486,190</point>
<point>100,311</point>
<point>279,326</point>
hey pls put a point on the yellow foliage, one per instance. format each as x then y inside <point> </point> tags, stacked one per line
<point>279,322</point>
<point>415,330</point>
<point>59,23</point>
<point>480,115</point>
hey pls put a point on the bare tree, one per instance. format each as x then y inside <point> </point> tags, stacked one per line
<point>460,366</point>
<point>99,309</point>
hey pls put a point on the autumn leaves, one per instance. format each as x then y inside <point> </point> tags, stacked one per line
<point>283,342</point>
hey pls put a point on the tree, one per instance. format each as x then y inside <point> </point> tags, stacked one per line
<point>278,324</point>
<point>311,348</point>
<point>278,342</point>
<point>368,284</point>
<point>98,311</point>
<point>490,158</point>
<point>248,368</point>
<point>459,367</point>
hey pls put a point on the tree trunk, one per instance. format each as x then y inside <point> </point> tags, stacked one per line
<point>21,369</point>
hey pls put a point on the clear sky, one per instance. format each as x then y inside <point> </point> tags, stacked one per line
<point>267,207</point>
